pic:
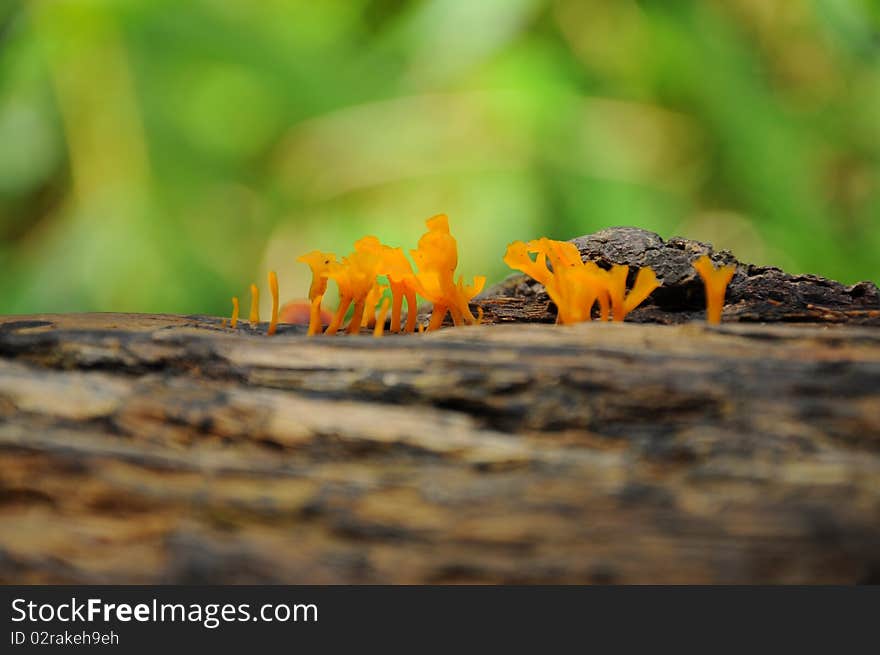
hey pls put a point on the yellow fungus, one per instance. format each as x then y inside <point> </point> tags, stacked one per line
<point>234,320</point>
<point>396,267</point>
<point>273,289</point>
<point>355,276</point>
<point>572,284</point>
<point>255,306</point>
<point>646,282</point>
<point>372,303</point>
<point>575,286</point>
<point>622,303</point>
<point>319,262</point>
<point>379,328</point>
<point>436,258</point>
<point>715,281</point>
<point>399,291</point>
<point>315,316</point>
<point>518,258</point>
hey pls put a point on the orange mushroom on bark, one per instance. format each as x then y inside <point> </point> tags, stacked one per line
<point>574,285</point>
<point>372,304</point>
<point>436,258</point>
<point>622,303</point>
<point>234,321</point>
<point>355,276</point>
<point>401,280</point>
<point>715,281</point>
<point>273,290</point>
<point>254,318</point>
<point>319,263</point>
<point>379,328</point>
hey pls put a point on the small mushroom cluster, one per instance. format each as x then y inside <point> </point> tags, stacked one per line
<point>358,278</point>
<point>254,317</point>
<point>575,286</point>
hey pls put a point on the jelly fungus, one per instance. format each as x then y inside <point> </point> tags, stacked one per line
<point>319,263</point>
<point>234,321</point>
<point>355,276</point>
<point>273,289</point>
<point>436,258</point>
<point>315,323</point>
<point>622,303</point>
<point>372,304</point>
<point>574,285</point>
<point>379,328</point>
<point>255,306</point>
<point>396,268</point>
<point>715,281</point>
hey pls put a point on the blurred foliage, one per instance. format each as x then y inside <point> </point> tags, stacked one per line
<point>159,155</point>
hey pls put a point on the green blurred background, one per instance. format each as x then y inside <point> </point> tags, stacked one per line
<point>159,155</point>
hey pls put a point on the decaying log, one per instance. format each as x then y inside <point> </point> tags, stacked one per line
<point>171,449</point>
<point>147,449</point>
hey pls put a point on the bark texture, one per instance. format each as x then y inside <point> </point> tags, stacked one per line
<point>147,449</point>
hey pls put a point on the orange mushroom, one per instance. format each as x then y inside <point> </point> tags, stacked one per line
<point>315,316</point>
<point>379,328</point>
<point>401,280</point>
<point>273,289</point>
<point>715,281</point>
<point>320,263</point>
<point>255,306</point>
<point>436,258</point>
<point>572,284</point>
<point>372,303</point>
<point>355,276</point>
<point>234,321</point>
<point>622,303</point>
<point>575,285</point>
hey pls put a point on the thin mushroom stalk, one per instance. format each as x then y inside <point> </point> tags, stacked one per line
<point>234,320</point>
<point>273,289</point>
<point>255,306</point>
<point>715,281</point>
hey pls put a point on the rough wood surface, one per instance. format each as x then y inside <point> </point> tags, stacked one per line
<point>143,449</point>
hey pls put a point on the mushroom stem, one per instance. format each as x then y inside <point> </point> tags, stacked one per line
<point>234,320</point>
<point>339,316</point>
<point>273,289</point>
<point>412,310</point>
<point>379,329</point>
<point>715,281</point>
<point>255,306</point>
<point>437,316</point>
<point>315,316</point>
<point>357,318</point>
<point>396,305</point>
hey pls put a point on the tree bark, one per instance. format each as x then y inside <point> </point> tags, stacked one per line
<point>168,449</point>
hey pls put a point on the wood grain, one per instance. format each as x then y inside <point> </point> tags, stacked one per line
<point>150,448</point>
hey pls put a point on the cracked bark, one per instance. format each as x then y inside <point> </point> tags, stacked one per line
<point>142,448</point>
